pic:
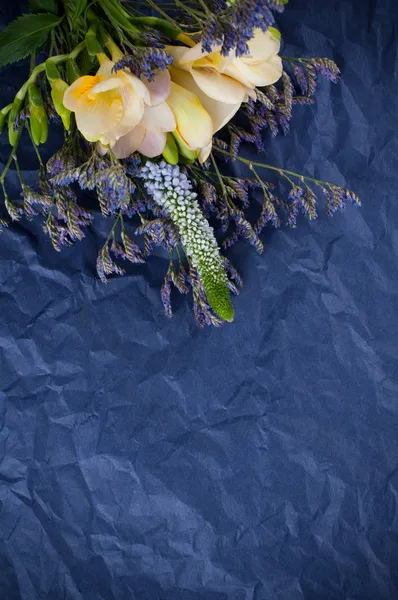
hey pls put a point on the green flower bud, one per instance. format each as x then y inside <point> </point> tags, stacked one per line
<point>190,155</point>
<point>35,97</point>
<point>170,152</point>
<point>2,122</point>
<point>3,117</point>
<point>57,94</point>
<point>38,124</point>
<point>275,32</point>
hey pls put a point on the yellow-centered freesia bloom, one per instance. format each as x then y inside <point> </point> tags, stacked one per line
<point>222,83</point>
<point>149,136</point>
<point>107,105</point>
<point>173,109</point>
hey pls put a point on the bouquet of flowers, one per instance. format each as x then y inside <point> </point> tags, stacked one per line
<point>155,101</point>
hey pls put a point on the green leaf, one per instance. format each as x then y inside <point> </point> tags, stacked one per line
<point>25,35</point>
<point>75,8</point>
<point>43,6</point>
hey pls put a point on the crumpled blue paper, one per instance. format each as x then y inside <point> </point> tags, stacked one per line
<point>142,458</point>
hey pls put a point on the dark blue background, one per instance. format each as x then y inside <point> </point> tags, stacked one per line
<point>142,458</point>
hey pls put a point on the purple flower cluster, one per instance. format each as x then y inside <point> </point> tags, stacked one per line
<point>114,190</point>
<point>232,24</point>
<point>145,62</point>
<point>201,308</point>
<point>23,116</point>
<point>337,197</point>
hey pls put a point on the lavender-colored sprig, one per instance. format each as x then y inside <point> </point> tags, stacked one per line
<point>145,61</point>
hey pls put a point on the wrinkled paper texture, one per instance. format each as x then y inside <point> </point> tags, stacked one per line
<point>142,458</point>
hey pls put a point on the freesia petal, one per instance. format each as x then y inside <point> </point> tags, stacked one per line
<point>233,71</point>
<point>153,144</point>
<point>106,85</point>
<point>80,87</point>
<point>262,73</point>
<point>129,143</point>
<point>262,46</point>
<point>193,122</point>
<point>217,86</point>
<point>195,53</point>
<point>102,149</point>
<point>134,107</point>
<point>250,94</point>
<point>219,112</point>
<point>159,87</point>
<point>94,117</point>
<point>205,153</point>
<point>133,83</point>
<point>106,69</point>
<point>159,118</point>
<point>178,52</point>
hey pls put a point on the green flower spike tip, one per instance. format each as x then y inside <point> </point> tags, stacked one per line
<point>172,189</point>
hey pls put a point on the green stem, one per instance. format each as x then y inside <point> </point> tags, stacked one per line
<point>112,231</point>
<point>40,68</point>
<point>203,5</point>
<point>161,25</point>
<point>118,14</point>
<point>35,147</point>
<point>21,181</point>
<point>282,172</point>
<point>161,12</point>
<point>219,176</point>
<point>10,158</point>
<point>258,178</point>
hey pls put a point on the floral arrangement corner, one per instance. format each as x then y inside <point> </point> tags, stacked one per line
<point>153,109</point>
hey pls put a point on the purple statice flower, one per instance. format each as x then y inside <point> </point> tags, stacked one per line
<point>145,62</point>
<point>213,33</point>
<point>165,295</point>
<point>246,231</point>
<point>327,68</point>
<point>268,213</point>
<point>179,279</point>
<point>106,265</point>
<point>201,308</point>
<point>23,116</point>
<point>235,282</point>
<point>114,190</point>
<point>3,223</point>
<point>232,23</point>
<point>301,78</point>
<point>131,250</point>
<point>337,197</point>
<point>33,199</point>
<point>295,204</point>
<point>58,232</point>
<point>207,197</point>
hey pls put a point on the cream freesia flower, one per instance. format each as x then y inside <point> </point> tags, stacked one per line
<point>173,109</point>
<point>222,83</point>
<point>107,105</point>
<point>149,136</point>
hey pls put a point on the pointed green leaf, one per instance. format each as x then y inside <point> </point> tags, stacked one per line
<point>43,6</point>
<point>24,36</point>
